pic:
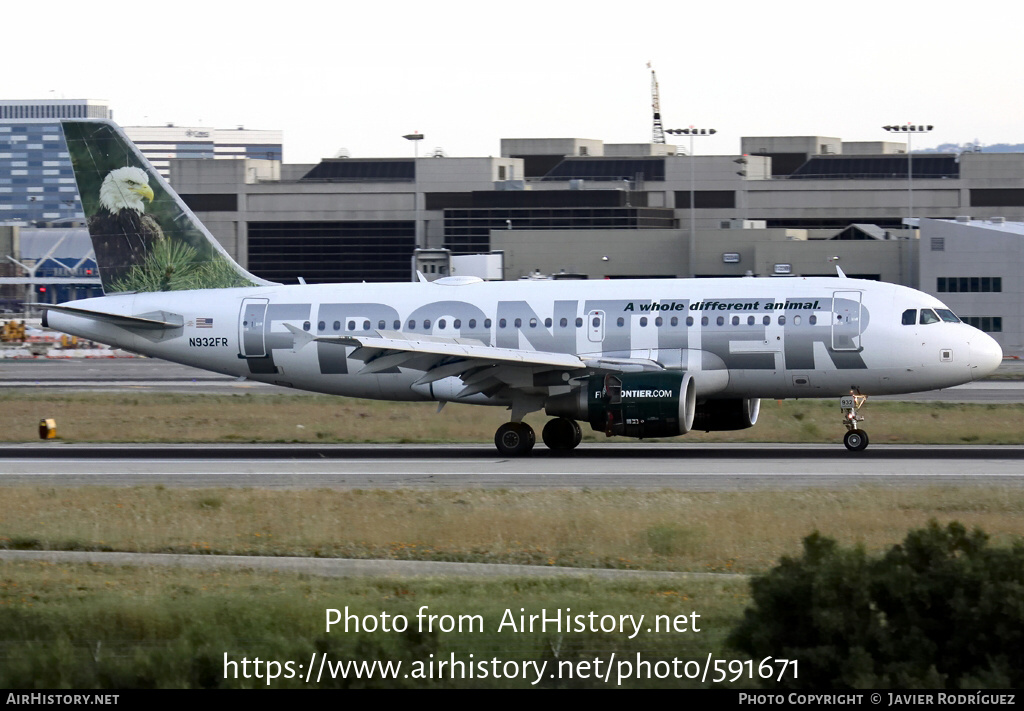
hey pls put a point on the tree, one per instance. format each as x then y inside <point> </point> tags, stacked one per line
<point>942,610</point>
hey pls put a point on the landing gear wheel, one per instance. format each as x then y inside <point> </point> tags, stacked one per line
<point>515,439</point>
<point>562,434</point>
<point>856,440</point>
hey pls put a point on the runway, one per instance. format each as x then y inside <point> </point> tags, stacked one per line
<point>684,466</point>
<point>641,466</point>
<point>152,375</point>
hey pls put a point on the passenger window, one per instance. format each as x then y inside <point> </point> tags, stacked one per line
<point>398,325</point>
<point>618,322</point>
<point>321,326</point>
<point>750,320</point>
<point>579,322</point>
<point>337,325</point>
<point>689,320</point>
<point>563,323</point>
<point>381,325</point>
<point>519,323</point>
<point>910,317</point>
<point>766,320</point>
<point>366,325</point>
<point>533,323</point>
<point>735,320</point>
<point>351,325</point>
<point>782,320</point>
<point>643,321</point>
<point>547,323</point>
<point>812,319</point>
<point>796,320</point>
<point>659,321</point>
<point>928,316</point>
<point>487,324</point>
<point>720,320</point>
<point>412,325</point>
<point>704,321</point>
<point>442,323</point>
<point>426,324</point>
<point>472,323</point>
<point>501,323</point>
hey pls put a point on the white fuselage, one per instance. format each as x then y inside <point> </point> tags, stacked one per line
<point>751,338</point>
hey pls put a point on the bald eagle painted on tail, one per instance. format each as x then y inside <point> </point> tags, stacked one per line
<point>122,233</point>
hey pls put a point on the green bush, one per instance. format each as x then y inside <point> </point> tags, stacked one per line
<point>942,610</point>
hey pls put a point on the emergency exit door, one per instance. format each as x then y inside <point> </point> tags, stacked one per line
<point>250,328</point>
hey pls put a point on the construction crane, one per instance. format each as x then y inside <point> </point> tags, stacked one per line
<point>658,135</point>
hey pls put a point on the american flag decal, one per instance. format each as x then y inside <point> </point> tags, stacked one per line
<point>204,322</point>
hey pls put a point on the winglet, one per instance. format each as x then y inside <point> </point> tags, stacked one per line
<point>840,272</point>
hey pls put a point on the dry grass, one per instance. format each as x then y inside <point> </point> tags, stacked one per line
<point>161,417</point>
<point>662,530</point>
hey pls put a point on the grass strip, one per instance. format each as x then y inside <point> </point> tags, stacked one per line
<point>166,417</point>
<point>730,531</point>
<point>95,626</point>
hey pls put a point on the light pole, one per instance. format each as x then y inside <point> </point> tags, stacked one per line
<point>691,132</point>
<point>415,137</point>
<point>909,130</point>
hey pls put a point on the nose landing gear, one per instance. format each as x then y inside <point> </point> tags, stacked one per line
<point>855,439</point>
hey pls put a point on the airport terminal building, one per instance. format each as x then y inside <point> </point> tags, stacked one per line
<point>974,266</point>
<point>782,206</point>
<point>786,205</point>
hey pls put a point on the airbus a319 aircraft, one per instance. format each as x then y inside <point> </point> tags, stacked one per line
<point>639,358</point>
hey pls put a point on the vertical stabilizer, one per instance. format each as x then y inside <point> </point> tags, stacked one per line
<point>144,236</point>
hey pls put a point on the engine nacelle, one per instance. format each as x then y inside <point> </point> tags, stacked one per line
<point>631,404</point>
<point>722,415</point>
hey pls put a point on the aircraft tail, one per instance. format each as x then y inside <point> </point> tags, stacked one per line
<point>144,236</point>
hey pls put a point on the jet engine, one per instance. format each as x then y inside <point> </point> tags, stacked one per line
<point>721,415</point>
<point>631,404</point>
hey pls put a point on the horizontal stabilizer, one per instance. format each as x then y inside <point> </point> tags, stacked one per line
<point>159,320</point>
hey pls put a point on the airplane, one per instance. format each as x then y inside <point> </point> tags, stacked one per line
<point>642,358</point>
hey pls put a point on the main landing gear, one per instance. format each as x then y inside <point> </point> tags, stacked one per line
<point>562,434</point>
<point>855,439</point>
<point>516,439</point>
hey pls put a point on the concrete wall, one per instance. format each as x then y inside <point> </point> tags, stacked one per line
<point>628,252</point>
<point>551,147</point>
<point>810,145</point>
<point>978,249</point>
<point>647,253</point>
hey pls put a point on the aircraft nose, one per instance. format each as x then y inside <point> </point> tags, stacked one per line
<point>986,355</point>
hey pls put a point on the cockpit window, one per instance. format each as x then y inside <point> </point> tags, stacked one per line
<point>947,315</point>
<point>910,317</point>
<point>928,316</point>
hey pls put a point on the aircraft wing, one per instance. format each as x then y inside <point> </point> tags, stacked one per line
<point>481,367</point>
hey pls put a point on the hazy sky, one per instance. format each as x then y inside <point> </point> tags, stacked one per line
<point>466,74</point>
